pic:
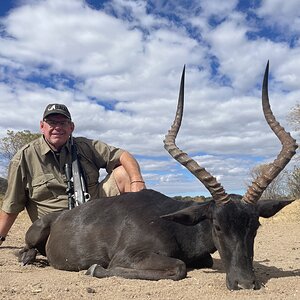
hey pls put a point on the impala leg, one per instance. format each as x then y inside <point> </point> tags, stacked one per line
<point>36,238</point>
<point>151,267</point>
<point>205,261</point>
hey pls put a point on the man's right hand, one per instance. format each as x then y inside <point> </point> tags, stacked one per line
<point>6,221</point>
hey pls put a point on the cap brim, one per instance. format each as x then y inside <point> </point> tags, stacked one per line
<point>56,113</point>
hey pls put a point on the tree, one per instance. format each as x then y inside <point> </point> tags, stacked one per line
<point>294,177</point>
<point>14,141</point>
<point>294,120</point>
<point>294,183</point>
<point>294,117</point>
<point>278,188</point>
<point>9,146</point>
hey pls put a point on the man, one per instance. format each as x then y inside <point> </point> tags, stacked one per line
<point>36,177</point>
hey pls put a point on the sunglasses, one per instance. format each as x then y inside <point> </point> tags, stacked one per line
<point>54,124</point>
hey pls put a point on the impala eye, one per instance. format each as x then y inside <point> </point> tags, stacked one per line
<point>217,227</point>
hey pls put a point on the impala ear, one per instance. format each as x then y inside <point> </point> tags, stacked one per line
<point>191,215</point>
<point>268,208</point>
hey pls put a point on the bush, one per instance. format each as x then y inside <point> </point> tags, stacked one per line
<point>294,183</point>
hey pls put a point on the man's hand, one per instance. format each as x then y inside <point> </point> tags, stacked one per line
<point>6,221</point>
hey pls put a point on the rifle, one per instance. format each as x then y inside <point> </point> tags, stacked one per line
<point>76,189</point>
<point>68,172</point>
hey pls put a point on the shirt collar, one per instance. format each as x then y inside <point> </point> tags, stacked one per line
<point>45,148</point>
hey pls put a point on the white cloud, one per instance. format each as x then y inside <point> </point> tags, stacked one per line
<point>219,9</point>
<point>281,13</point>
<point>118,70</point>
<point>74,41</point>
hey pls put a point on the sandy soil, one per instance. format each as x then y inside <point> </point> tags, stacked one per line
<point>276,263</point>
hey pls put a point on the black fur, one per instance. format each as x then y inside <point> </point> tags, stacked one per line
<point>147,235</point>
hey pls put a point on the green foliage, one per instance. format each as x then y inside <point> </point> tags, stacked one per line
<point>3,186</point>
<point>189,198</point>
<point>14,141</point>
<point>277,189</point>
<point>294,117</point>
<point>294,183</point>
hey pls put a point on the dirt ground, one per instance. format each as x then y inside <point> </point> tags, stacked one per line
<point>276,263</point>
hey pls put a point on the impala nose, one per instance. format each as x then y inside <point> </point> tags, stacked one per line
<point>239,284</point>
<point>248,285</point>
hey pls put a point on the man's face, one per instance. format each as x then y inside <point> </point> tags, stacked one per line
<point>56,129</point>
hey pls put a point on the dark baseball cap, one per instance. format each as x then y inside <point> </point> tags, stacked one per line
<point>56,108</point>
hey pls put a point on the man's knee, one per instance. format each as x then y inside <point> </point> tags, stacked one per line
<point>122,179</point>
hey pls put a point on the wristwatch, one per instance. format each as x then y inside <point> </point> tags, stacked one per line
<point>2,238</point>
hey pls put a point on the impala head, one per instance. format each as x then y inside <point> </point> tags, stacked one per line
<point>234,222</point>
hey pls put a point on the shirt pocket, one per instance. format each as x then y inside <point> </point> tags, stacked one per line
<point>45,187</point>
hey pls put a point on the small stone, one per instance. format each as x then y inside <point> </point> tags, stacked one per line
<point>90,290</point>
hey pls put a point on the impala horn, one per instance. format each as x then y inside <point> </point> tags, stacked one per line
<point>210,182</point>
<point>288,150</point>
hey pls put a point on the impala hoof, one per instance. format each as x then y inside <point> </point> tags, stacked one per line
<point>91,270</point>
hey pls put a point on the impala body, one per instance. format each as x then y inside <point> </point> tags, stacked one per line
<point>147,235</point>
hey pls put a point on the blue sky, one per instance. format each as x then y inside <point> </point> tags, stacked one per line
<point>117,66</point>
